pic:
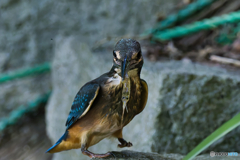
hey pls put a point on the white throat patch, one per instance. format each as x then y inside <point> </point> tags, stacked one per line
<point>115,80</point>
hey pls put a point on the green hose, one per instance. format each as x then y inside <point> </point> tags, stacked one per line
<point>206,24</point>
<point>45,67</point>
<point>21,110</point>
<point>180,16</point>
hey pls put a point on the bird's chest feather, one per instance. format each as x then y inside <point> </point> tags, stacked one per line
<point>122,99</point>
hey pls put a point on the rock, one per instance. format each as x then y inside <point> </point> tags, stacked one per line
<point>28,29</point>
<point>193,105</point>
<point>3,60</point>
<point>187,102</point>
<point>133,155</point>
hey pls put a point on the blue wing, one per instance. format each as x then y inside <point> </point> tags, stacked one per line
<point>82,102</point>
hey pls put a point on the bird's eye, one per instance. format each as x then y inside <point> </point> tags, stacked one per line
<point>114,54</point>
<point>117,61</point>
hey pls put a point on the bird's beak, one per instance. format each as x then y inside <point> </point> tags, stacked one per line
<point>124,64</point>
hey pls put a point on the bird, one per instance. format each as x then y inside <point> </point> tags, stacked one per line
<point>104,106</point>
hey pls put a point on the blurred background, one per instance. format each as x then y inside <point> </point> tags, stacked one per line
<point>50,48</point>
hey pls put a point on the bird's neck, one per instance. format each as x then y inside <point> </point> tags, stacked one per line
<point>134,73</point>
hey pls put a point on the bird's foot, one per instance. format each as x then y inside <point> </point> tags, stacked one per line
<point>128,144</point>
<point>93,155</point>
<point>124,143</point>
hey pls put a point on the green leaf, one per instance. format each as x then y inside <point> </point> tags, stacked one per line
<point>217,134</point>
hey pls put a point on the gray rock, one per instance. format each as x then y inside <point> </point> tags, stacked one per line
<point>3,60</point>
<point>187,102</point>
<point>28,29</point>
<point>193,105</point>
<point>133,155</point>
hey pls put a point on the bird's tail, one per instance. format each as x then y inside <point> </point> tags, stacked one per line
<point>55,147</point>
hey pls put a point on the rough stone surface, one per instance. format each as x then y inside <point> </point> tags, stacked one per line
<point>28,28</point>
<point>187,101</point>
<point>133,155</point>
<point>193,106</point>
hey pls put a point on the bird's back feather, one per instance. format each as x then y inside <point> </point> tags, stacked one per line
<point>82,102</point>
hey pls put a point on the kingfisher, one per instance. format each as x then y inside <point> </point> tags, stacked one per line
<point>103,106</point>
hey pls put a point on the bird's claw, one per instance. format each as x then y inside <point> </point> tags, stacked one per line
<point>127,144</point>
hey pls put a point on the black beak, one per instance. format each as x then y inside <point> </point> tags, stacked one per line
<point>124,64</point>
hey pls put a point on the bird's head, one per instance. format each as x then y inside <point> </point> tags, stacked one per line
<point>127,56</point>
